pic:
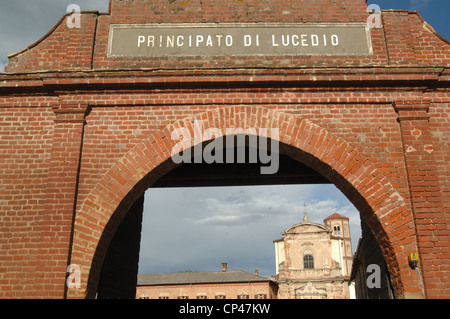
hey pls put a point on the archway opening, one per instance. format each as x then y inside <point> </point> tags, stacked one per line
<point>119,270</point>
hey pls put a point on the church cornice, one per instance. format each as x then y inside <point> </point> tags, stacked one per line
<point>292,281</point>
<point>303,224</point>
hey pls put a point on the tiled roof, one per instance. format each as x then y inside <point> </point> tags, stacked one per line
<point>197,277</point>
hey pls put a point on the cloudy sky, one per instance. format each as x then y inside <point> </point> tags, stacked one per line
<point>197,229</point>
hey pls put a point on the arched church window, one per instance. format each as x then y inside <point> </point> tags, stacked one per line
<point>308,261</point>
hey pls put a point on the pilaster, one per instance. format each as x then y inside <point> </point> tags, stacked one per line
<point>61,194</point>
<point>423,179</point>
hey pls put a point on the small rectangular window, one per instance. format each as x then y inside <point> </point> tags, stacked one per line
<point>308,262</point>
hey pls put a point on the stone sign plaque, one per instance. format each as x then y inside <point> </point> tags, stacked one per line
<point>163,40</point>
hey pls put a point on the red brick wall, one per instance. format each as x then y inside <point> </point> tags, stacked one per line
<point>63,48</point>
<point>26,145</point>
<point>83,138</point>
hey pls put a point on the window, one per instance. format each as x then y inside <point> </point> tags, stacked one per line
<point>308,262</point>
<point>337,230</point>
<point>163,297</point>
<point>220,297</point>
<point>242,296</point>
<point>182,297</point>
<point>201,297</point>
<point>260,296</point>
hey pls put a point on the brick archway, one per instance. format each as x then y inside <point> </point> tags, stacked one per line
<point>358,178</point>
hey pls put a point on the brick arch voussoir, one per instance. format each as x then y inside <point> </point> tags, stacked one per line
<point>300,139</point>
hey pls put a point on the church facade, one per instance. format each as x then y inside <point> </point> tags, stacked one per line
<point>313,261</point>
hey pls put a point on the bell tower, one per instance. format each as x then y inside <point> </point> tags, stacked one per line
<point>340,237</point>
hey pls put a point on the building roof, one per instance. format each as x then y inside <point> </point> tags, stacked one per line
<point>307,226</point>
<point>336,216</point>
<point>198,277</point>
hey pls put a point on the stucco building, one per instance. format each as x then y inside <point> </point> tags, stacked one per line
<point>313,261</point>
<point>225,284</point>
